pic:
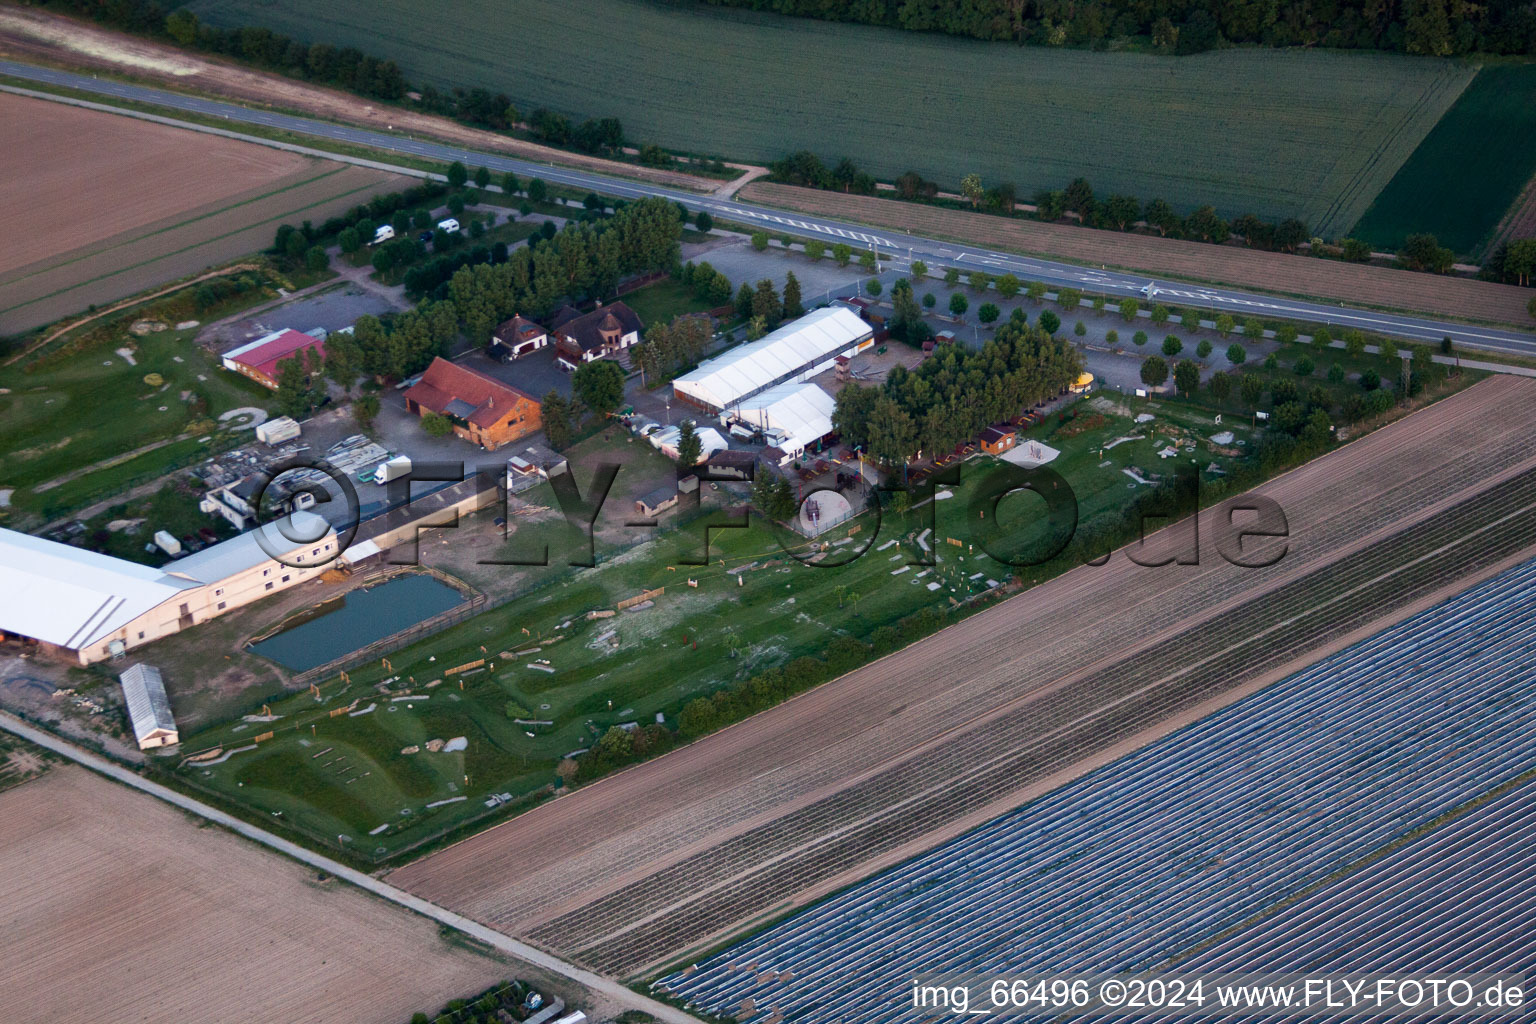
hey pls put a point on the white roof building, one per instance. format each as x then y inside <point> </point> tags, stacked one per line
<point>93,607</point>
<point>800,414</point>
<point>71,598</point>
<point>149,709</point>
<point>795,352</point>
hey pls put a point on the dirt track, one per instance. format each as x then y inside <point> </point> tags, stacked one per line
<point>117,907</point>
<point>1246,268</point>
<point>47,38</point>
<point>617,872</point>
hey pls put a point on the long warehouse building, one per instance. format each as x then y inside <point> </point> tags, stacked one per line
<point>797,351</point>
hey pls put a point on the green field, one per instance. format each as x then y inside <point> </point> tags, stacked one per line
<point>1278,133</point>
<point>693,641</point>
<point>59,422</point>
<point>1467,171</point>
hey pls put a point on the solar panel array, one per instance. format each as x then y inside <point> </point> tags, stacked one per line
<point>1173,845</point>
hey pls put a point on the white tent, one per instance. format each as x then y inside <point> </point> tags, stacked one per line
<point>710,442</point>
<point>796,351</point>
<point>800,413</point>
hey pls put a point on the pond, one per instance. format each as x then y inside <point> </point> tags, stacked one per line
<point>357,619</point>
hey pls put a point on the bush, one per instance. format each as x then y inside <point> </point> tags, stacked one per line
<point>1049,322</point>
<point>1236,354</point>
<point>1304,367</point>
<point>1112,336</point>
<point>1140,337</point>
<point>873,286</point>
<point>1079,328</point>
<point>988,313</point>
<point>930,300</point>
<point>1172,346</point>
<point>1203,349</point>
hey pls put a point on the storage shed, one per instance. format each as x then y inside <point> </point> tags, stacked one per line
<point>149,709</point>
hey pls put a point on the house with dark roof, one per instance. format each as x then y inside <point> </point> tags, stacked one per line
<point>603,333</point>
<point>516,338</point>
<point>481,409</point>
<point>998,439</point>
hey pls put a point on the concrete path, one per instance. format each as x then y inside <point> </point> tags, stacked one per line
<point>611,989</point>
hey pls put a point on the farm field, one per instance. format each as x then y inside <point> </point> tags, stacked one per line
<point>633,873</point>
<point>1206,829</point>
<point>350,775</point>
<point>1299,133</point>
<point>114,899</point>
<point>1468,170</point>
<point>1246,268</point>
<point>146,205</point>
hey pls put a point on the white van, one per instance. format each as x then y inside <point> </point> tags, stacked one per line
<point>383,234</point>
<point>450,225</point>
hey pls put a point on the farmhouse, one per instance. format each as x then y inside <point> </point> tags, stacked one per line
<point>996,440</point>
<point>149,709</point>
<point>516,338</point>
<point>795,352</point>
<point>604,332</point>
<point>258,359</point>
<point>791,416</point>
<point>89,607</point>
<point>481,409</point>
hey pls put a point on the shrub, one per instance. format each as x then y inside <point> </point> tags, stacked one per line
<point>1172,346</point>
<point>1236,354</point>
<point>1112,336</point>
<point>1080,329</point>
<point>1203,349</point>
<point>1303,367</point>
<point>1140,337</point>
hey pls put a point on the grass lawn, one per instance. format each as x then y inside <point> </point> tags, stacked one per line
<point>1464,175</point>
<point>658,303</point>
<point>1309,133</point>
<point>588,675</point>
<point>74,411</point>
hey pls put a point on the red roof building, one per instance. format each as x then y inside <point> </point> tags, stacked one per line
<point>258,359</point>
<point>481,409</point>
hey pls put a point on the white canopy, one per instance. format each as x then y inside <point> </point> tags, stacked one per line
<point>792,352</point>
<point>801,412</point>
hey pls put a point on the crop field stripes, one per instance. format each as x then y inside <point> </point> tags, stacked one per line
<point>1173,845</point>
<point>1456,899</point>
<point>641,925</point>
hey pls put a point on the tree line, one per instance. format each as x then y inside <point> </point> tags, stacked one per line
<point>955,394</point>
<point>582,261</point>
<point>351,69</point>
<point>1432,27</point>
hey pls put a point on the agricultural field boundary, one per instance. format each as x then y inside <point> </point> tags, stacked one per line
<point>112,55</point>
<point>1289,147</point>
<point>611,838</point>
<point>494,939</point>
<point>1274,273</point>
<point>1469,172</point>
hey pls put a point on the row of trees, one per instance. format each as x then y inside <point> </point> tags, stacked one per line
<point>1435,27</point>
<point>347,68</point>
<point>1122,212</point>
<point>581,261</point>
<point>955,394</point>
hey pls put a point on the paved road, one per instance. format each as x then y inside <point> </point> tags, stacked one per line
<point>613,990</point>
<point>911,246</point>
